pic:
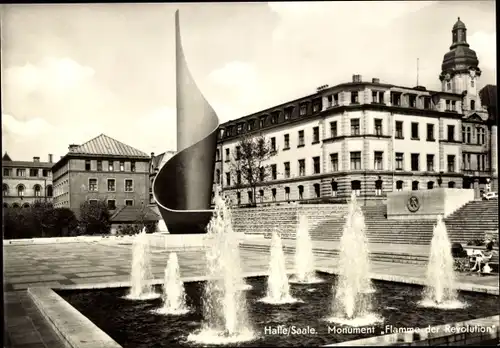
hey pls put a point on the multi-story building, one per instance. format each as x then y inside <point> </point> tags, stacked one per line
<point>101,169</point>
<point>24,182</point>
<point>371,137</point>
<point>154,167</point>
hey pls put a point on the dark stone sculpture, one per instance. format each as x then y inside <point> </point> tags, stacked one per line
<point>183,186</point>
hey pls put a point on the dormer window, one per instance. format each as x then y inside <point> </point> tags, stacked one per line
<point>448,86</point>
<point>251,125</point>
<point>354,97</point>
<point>288,113</point>
<point>316,106</point>
<point>221,132</point>
<point>473,105</point>
<point>240,128</point>
<point>412,100</point>
<point>329,101</point>
<point>448,105</point>
<point>303,110</point>
<point>396,98</point>
<point>453,105</point>
<point>262,122</point>
<point>427,103</point>
<point>274,118</point>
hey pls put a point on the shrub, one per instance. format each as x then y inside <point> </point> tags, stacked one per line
<point>66,222</point>
<point>476,242</point>
<point>94,218</point>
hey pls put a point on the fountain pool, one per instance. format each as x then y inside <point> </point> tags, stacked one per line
<point>131,324</point>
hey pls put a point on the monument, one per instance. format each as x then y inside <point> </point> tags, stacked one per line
<point>183,186</point>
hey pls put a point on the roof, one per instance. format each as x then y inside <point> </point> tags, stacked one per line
<point>6,157</point>
<point>26,164</point>
<point>459,24</point>
<point>134,214</point>
<point>159,160</point>
<point>104,145</point>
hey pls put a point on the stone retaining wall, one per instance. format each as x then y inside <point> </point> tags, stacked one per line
<point>264,220</point>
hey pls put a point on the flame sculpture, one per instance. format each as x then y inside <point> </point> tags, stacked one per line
<point>183,186</point>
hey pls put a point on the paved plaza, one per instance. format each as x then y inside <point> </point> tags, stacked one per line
<point>53,265</point>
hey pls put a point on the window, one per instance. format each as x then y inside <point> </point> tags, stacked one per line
<point>427,103</point>
<point>415,157</point>
<point>466,159</point>
<point>412,101</point>
<point>287,141</point>
<point>451,133</point>
<point>20,172</point>
<point>430,132</point>
<point>93,185</point>
<point>26,205</point>
<point>334,160</point>
<point>317,190</point>
<point>378,160</point>
<point>251,125</point>
<point>250,197</point>
<point>472,83</point>
<point>238,177</point>
<point>217,176</point>
<point>122,166</point>
<point>378,187</point>
<point>238,153</point>
<point>301,138</point>
<point>274,117</point>
<point>5,190</point>
<point>129,202</point>
<point>111,204</point>
<point>33,172</point>
<point>287,169</point>
<point>414,185</point>
<point>262,122</point>
<point>239,128</point>
<point>315,135</point>
<point>316,107</point>
<point>99,166</point>
<point>414,131</point>
<point>227,155</point>
<point>87,165</point>
<point>111,185</point>
<point>468,132</point>
<point>274,172</point>
<point>335,186</point>
<point>329,100</point>
<point>354,98</point>
<point>430,163</point>
<point>301,192</point>
<point>396,98</point>
<point>129,185</point>
<point>302,167</point>
<point>132,166</point>
<point>333,129</point>
<point>378,126</point>
<point>273,193</point>
<point>217,155</point>
<point>273,144</point>
<point>453,105</point>
<point>473,105</point>
<point>448,86</point>
<point>356,187</point>
<point>262,173</point>
<point>399,185</point>
<point>49,191</point>
<point>316,165</point>
<point>430,185</point>
<point>287,193</point>
<point>399,129</point>
<point>6,172</point>
<point>356,160</point>
<point>45,172</point>
<point>451,184</point>
<point>261,195</point>
<point>374,97</point>
<point>288,113</point>
<point>228,179</point>
<point>355,126</point>
<point>399,160</point>
<point>15,205</point>
<point>238,197</point>
<point>303,109</point>
<point>481,136</point>
<point>111,166</point>
<point>93,201</point>
<point>451,163</point>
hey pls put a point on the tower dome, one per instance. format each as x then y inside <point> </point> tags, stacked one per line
<point>460,58</point>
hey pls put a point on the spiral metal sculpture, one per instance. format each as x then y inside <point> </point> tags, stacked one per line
<point>183,186</point>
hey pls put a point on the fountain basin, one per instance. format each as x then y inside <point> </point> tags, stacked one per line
<point>130,323</point>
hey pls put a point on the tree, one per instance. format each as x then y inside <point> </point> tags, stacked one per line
<point>248,164</point>
<point>66,222</point>
<point>94,217</point>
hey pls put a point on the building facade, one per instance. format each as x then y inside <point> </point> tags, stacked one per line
<point>371,138</point>
<point>101,169</point>
<point>25,182</point>
<point>155,165</point>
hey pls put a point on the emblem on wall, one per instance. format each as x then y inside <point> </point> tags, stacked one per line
<point>413,204</point>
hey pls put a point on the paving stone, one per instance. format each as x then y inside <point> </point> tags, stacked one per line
<point>34,278</point>
<point>95,274</point>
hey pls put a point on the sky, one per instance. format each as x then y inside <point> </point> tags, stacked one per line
<point>74,71</point>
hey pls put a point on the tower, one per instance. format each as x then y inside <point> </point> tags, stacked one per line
<point>460,71</point>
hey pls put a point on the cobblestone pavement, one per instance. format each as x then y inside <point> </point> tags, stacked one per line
<point>80,262</point>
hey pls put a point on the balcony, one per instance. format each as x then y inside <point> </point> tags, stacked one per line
<point>477,173</point>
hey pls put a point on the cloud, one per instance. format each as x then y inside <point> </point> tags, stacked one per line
<point>28,128</point>
<point>239,79</point>
<point>157,131</point>
<point>484,44</point>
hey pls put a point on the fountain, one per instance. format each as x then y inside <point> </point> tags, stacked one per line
<point>304,257</point>
<point>352,302</point>
<point>278,289</point>
<point>141,275</point>
<point>174,297</point>
<point>440,291</point>
<point>224,302</point>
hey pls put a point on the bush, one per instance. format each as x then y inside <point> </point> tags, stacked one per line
<point>66,222</point>
<point>94,218</point>
<point>476,242</point>
<point>457,250</point>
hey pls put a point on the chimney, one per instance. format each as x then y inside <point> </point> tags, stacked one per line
<point>356,78</point>
<point>375,80</point>
<point>36,159</point>
<point>152,154</point>
<point>50,158</point>
<point>72,147</point>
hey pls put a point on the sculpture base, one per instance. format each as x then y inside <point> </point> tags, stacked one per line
<point>187,229</point>
<point>187,222</point>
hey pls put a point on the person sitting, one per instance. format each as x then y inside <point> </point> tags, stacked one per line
<point>483,257</point>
